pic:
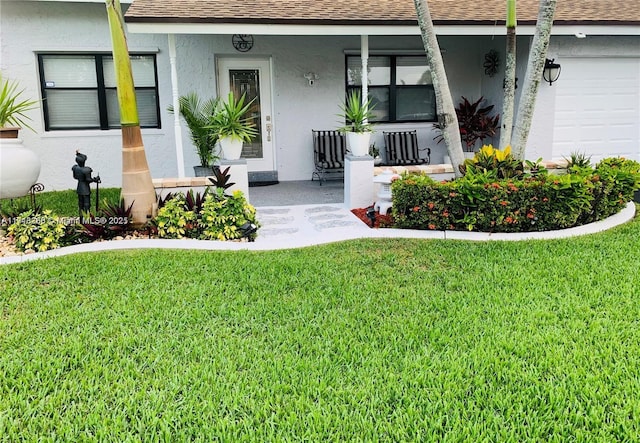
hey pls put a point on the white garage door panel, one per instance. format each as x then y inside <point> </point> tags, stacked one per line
<point>598,108</point>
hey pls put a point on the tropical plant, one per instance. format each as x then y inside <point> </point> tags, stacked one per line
<point>111,221</point>
<point>231,121</point>
<point>578,161</point>
<point>39,232</point>
<point>475,123</point>
<point>535,167</point>
<point>489,160</point>
<point>12,108</point>
<point>223,216</point>
<point>193,201</point>
<point>174,220</point>
<point>199,115</point>
<point>356,113</point>
<point>221,179</point>
<point>137,186</point>
<point>209,216</point>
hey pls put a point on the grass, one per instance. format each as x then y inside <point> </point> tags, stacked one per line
<point>63,203</point>
<point>372,340</point>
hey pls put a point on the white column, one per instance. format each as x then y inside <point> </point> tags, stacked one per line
<point>364,55</point>
<point>176,105</point>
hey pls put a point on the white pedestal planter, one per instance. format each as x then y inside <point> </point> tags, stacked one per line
<point>358,191</point>
<point>231,148</point>
<point>19,168</point>
<point>358,143</point>
<point>239,175</point>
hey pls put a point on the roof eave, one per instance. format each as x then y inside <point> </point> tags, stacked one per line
<point>163,25</point>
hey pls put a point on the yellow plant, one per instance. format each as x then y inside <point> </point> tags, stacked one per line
<point>490,151</point>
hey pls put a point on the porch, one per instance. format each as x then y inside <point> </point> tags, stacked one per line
<point>298,192</point>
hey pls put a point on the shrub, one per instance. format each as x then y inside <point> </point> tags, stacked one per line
<point>222,216</point>
<point>174,220</point>
<point>480,202</point>
<point>211,216</point>
<point>39,231</point>
<point>112,221</point>
<point>614,182</point>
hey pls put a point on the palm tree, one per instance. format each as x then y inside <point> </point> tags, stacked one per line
<point>447,119</point>
<point>137,186</point>
<point>509,76</point>
<point>199,116</point>
<point>537,57</point>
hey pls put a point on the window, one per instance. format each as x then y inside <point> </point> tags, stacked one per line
<point>79,91</point>
<point>400,87</point>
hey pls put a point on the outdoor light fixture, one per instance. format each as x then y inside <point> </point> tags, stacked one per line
<point>551,71</point>
<point>371,215</point>
<point>311,78</point>
<point>247,230</point>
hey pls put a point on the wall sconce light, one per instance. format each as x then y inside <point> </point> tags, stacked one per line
<point>551,71</point>
<point>311,78</point>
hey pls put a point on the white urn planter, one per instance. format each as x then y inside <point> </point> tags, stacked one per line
<point>358,143</point>
<point>231,148</point>
<point>19,168</point>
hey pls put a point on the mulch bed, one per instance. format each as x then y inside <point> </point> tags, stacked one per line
<point>382,221</point>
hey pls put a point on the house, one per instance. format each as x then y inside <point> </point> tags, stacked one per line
<point>299,58</point>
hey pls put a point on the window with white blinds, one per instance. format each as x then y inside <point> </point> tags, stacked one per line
<point>400,87</point>
<point>80,92</point>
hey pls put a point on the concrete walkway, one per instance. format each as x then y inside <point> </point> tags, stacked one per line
<point>286,227</point>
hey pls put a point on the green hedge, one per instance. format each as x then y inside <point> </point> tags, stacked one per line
<point>480,202</point>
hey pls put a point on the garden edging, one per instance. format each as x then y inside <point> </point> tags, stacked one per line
<point>349,231</point>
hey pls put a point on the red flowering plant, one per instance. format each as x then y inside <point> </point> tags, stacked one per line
<point>482,203</point>
<point>475,123</point>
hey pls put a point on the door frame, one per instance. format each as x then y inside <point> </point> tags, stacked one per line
<point>263,64</point>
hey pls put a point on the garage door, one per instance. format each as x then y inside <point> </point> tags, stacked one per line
<point>598,108</point>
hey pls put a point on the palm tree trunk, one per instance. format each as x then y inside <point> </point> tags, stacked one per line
<point>137,186</point>
<point>447,117</point>
<point>509,76</point>
<point>537,57</point>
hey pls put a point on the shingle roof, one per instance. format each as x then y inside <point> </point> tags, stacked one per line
<point>382,12</point>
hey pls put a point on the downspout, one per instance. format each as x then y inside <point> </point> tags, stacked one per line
<point>364,55</point>
<point>176,106</point>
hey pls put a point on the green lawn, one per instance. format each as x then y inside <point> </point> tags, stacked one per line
<point>64,203</point>
<point>388,340</point>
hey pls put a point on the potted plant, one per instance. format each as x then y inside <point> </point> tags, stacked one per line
<point>375,153</point>
<point>358,130</point>
<point>233,126</point>
<point>199,116</point>
<point>475,124</point>
<point>19,167</point>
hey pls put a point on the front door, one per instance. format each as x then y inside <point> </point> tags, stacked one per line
<point>251,77</point>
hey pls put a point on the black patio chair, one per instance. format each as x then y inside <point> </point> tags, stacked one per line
<point>329,148</point>
<point>402,148</point>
